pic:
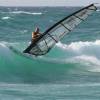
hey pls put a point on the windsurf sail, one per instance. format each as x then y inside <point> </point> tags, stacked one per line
<point>51,36</point>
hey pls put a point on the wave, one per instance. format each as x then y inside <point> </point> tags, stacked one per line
<point>73,58</point>
<point>82,51</point>
<point>24,12</point>
<point>88,48</point>
<point>85,53</point>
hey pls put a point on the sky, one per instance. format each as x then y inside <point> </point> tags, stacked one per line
<point>47,2</point>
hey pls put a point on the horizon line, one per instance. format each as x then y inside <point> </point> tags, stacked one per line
<point>44,6</point>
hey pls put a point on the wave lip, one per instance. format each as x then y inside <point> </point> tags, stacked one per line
<point>80,45</point>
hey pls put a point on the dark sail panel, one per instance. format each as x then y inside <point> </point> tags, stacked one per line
<point>51,36</point>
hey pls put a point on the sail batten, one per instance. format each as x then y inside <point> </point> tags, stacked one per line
<point>65,27</point>
<point>51,36</point>
<point>78,17</point>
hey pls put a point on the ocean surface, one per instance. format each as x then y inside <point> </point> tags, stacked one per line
<point>70,71</point>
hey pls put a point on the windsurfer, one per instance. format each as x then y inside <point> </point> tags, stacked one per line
<point>35,34</point>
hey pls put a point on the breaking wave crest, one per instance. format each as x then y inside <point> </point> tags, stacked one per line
<point>77,51</point>
<point>85,53</point>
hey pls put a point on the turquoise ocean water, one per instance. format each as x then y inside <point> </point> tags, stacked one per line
<point>70,71</point>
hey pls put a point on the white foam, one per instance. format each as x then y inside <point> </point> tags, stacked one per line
<point>98,10</point>
<point>86,53</point>
<point>3,44</point>
<point>24,12</point>
<point>83,47</point>
<point>89,59</point>
<point>6,17</point>
<point>91,63</point>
